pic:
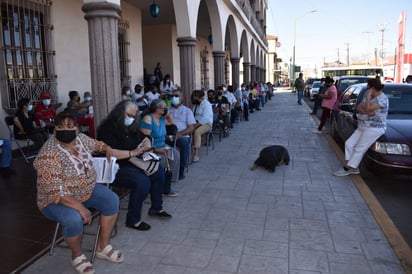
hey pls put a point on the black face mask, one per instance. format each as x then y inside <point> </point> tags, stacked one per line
<point>219,93</point>
<point>65,136</point>
<point>165,112</point>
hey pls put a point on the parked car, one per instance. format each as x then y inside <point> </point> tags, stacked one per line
<point>308,85</point>
<point>343,82</point>
<point>314,91</point>
<point>392,151</point>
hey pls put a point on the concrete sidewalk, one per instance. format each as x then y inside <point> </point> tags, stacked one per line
<point>228,219</point>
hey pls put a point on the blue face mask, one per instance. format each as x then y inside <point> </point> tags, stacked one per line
<point>128,121</point>
<point>46,102</point>
<point>88,99</point>
<point>175,100</point>
<point>29,107</point>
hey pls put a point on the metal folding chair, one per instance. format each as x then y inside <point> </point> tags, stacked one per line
<point>26,142</point>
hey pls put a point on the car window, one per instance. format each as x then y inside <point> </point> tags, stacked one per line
<point>345,83</point>
<point>316,84</point>
<point>350,98</point>
<point>400,98</point>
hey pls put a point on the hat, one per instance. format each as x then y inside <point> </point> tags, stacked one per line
<point>45,95</point>
<point>328,79</point>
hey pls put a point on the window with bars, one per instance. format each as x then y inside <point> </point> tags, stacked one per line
<point>204,71</point>
<point>124,60</point>
<point>27,58</point>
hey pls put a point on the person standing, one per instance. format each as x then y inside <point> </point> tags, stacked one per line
<point>300,86</point>
<point>374,111</point>
<point>318,99</point>
<point>328,101</point>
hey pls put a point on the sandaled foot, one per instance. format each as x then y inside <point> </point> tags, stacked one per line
<point>82,265</point>
<point>111,255</point>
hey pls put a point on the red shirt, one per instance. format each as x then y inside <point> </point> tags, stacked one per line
<point>45,113</point>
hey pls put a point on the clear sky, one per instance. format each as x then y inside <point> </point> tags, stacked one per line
<point>321,34</point>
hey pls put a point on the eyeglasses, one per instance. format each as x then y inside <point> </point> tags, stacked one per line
<point>176,95</point>
<point>130,115</point>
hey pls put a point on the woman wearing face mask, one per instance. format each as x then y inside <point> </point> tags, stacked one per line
<point>44,112</point>
<point>25,126</point>
<point>154,124</point>
<point>120,130</point>
<point>166,86</point>
<point>66,188</point>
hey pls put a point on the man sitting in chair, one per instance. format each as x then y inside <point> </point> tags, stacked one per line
<point>203,113</point>
<point>185,122</point>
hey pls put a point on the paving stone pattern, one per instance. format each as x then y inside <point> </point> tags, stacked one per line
<point>228,219</point>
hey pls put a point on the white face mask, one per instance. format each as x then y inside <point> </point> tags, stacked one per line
<point>175,101</point>
<point>128,121</point>
<point>128,92</point>
<point>46,102</point>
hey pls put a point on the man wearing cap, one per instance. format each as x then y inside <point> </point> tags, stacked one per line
<point>44,111</point>
<point>328,101</point>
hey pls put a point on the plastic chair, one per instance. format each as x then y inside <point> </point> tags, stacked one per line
<point>19,142</point>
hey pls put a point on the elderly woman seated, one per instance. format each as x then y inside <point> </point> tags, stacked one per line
<point>66,188</point>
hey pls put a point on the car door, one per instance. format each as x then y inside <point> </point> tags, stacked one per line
<point>345,113</point>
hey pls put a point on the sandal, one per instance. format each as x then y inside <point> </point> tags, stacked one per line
<point>115,255</point>
<point>81,263</point>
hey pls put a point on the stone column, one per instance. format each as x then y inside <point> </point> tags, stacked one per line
<point>102,19</point>
<point>235,70</point>
<point>219,67</point>
<point>246,73</point>
<point>187,46</point>
<point>252,73</point>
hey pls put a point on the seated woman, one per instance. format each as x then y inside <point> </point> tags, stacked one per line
<point>80,111</point>
<point>66,188</point>
<point>120,130</point>
<point>25,126</point>
<point>154,124</point>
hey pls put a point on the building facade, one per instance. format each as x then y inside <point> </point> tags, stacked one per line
<point>102,46</point>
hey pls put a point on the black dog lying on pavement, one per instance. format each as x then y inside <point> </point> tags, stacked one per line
<point>272,156</point>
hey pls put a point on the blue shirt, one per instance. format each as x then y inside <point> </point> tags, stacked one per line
<point>158,131</point>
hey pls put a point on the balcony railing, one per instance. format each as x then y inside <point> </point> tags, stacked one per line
<point>251,16</point>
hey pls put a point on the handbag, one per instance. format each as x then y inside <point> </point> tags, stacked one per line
<point>148,161</point>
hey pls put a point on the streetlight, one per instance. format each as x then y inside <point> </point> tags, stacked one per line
<point>294,43</point>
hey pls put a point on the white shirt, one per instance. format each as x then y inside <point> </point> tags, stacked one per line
<point>203,112</point>
<point>152,96</point>
<point>182,117</point>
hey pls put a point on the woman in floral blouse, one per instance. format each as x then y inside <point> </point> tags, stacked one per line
<point>66,188</point>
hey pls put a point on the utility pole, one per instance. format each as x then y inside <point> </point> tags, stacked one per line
<point>382,53</point>
<point>347,54</point>
<point>338,62</point>
<point>367,54</point>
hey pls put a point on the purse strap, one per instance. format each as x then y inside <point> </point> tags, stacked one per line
<point>167,162</point>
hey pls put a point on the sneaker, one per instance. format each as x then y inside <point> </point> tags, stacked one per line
<point>172,193</point>
<point>317,131</point>
<point>343,172</point>
<point>196,159</point>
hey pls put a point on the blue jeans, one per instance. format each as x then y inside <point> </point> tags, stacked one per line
<point>300,96</point>
<point>183,144</point>
<point>102,199</point>
<point>5,154</point>
<point>140,186</point>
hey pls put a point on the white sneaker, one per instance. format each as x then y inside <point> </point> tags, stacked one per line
<point>343,172</point>
<point>316,131</point>
<point>196,159</point>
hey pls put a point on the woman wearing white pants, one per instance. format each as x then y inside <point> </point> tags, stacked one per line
<point>372,113</point>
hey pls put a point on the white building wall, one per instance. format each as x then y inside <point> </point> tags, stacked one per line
<point>71,42</point>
